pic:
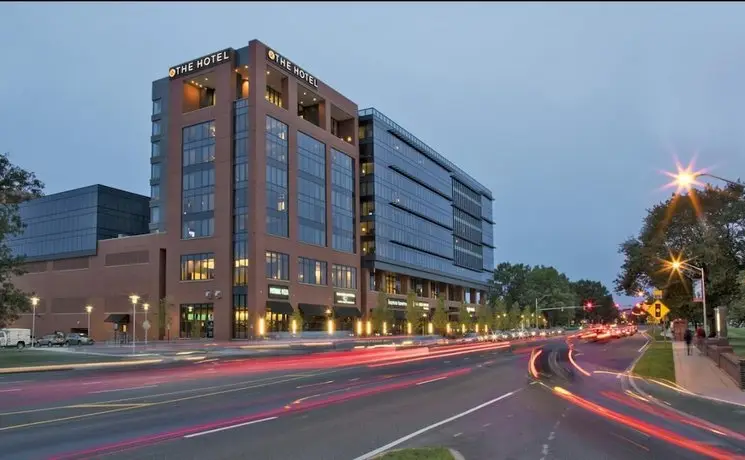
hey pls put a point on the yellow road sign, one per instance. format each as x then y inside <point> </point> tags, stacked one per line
<point>657,310</point>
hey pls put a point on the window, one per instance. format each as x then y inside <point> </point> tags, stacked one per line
<point>311,271</point>
<point>155,149</point>
<point>156,107</point>
<point>344,277</point>
<point>241,317</point>
<point>155,192</point>
<point>342,202</point>
<point>198,228</point>
<point>198,143</point>
<point>155,171</point>
<point>156,128</point>
<point>311,190</point>
<point>155,215</point>
<point>273,96</point>
<point>198,267</point>
<point>198,191</point>
<point>277,266</point>
<point>392,284</point>
<point>277,221</point>
<point>240,263</point>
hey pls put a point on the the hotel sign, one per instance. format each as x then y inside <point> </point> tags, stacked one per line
<point>345,298</point>
<point>279,292</point>
<point>424,305</point>
<point>396,303</point>
<point>202,63</point>
<point>291,67</point>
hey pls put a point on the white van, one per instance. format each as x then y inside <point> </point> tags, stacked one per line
<point>15,337</point>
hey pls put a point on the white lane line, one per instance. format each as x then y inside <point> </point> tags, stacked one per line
<point>13,382</point>
<point>123,389</point>
<point>353,380</point>
<point>315,384</point>
<point>398,441</point>
<point>92,383</point>
<point>430,381</point>
<point>8,391</point>
<point>216,430</point>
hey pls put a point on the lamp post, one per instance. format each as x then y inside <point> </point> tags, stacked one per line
<point>678,266</point>
<point>34,303</point>
<point>89,309</point>
<point>686,179</point>
<point>134,298</point>
<point>538,299</point>
<point>146,307</point>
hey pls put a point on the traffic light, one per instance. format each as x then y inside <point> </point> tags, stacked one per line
<point>657,310</point>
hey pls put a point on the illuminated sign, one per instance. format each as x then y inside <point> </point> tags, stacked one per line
<point>421,304</point>
<point>204,62</point>
<point>279,292</point>
<point>345,298</point>
<point>396,303</point>
<point>291,67</point>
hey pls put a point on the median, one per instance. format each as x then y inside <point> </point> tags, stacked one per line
<point>657,361</point>
<point>14,361</point>
<point>425,453</point>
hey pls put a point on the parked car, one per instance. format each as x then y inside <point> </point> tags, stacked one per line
<point>78,339</point>
<point>50,340</point>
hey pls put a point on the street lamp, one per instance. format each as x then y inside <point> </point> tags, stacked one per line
<point>679,266</point>
<point>134,298</point>
<point>686,178</point>
<point>34,303</point>
<point>146,307</point>
<point>89,309</point>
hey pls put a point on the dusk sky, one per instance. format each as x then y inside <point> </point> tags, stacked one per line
<point>567,112</point>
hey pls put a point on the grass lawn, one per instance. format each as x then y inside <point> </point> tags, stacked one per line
<point>22,358</point>
<point>657,362</point>
<point>737,340</point>
<point>427,453</point>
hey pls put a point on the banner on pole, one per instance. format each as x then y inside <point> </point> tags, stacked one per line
<point>698,291</point>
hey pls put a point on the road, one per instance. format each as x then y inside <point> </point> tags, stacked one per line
<point>475,398</point>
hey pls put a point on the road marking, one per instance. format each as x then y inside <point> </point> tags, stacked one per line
<point>315,384</point>
<point>629,440</point>
<point>398,441</point>
<point>12,382</point>
<point>447,362</point>
<point>92,383</point>
<point>123,389</point>
<point>353,380</point>
<point>8,391</point>
<point>107,406</point>
<point>457,434</point>
<point>430,381</point>
<point>216,430</point>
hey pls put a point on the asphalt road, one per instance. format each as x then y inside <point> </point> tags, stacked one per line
<point>345,405</point>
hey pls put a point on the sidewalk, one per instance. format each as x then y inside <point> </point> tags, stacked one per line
<point>698,374</point>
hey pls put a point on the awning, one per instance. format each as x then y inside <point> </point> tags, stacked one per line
<point>347,312</point>
<point>309,310</point>
<point>399,314</point>
<point>278,307</point>
<point>117,318</point>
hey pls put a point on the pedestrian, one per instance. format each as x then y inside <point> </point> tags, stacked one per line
<point>688,337</point>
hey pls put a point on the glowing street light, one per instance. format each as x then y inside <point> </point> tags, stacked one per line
<point>679,266</point>
<point>146,307</point>
<point>687,178</point>
<point>89,309</point>
<point>134,298</point>
<point>34,303</point>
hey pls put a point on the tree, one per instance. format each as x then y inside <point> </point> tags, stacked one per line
<point>381,314</point>
<point>413,315</point>
<point>440,318</point>
<point>483,316</point>
<point>464,316</point>
<point>164,317</point>
<point>499,316</point>
<point>509,282</point>
<point>299,320</point>
<point>705,228</point>
<point>514,319</point>
<point>594,293</point>
<point>16,186</point>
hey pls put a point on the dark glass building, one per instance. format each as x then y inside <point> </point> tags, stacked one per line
<point>425,224</point>
<point>69,224</point>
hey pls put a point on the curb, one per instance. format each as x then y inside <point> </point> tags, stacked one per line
<point>456,455</point>
<point>78,366</point>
